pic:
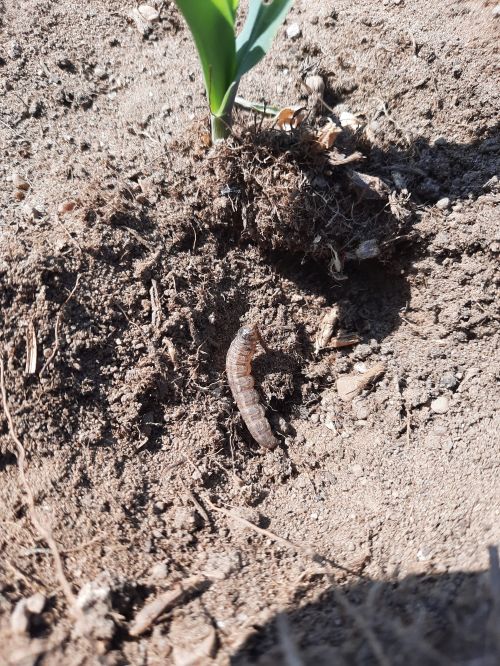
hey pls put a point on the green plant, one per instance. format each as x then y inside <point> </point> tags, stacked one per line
<point>224,56</point>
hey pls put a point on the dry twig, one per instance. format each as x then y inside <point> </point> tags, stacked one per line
<point>359,620</point>
<point>304,550</point>
<point>59,317</point>
<point>31,348</point>
<point>288,646</point>
<point>341,598</point>
<point>44,531</point>
<point>152,611</point>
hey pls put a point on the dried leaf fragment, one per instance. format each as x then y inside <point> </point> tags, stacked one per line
<point>152,611</point>
<point>344,340</point>
<point>326,329</point>
<point>328,134</point>
<point>316,88</point>
<point>291,117</point>
<point>349,386</point>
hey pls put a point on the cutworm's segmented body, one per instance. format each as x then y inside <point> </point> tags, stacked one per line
<point>241,383</point>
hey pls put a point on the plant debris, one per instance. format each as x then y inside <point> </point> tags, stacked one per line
<point>152,610</point>
<point>291,117</point>
<point>349,386</point>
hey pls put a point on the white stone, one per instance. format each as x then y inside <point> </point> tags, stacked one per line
<point>293,31</point>
<point>443,204</point>
<point>440,405</point>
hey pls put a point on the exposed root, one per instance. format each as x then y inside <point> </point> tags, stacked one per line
<point>59,317</point>
<point>44,531</point>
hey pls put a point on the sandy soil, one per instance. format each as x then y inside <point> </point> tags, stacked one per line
<point>363,538</point>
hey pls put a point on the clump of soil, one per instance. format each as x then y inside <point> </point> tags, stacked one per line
<point>285,193</point>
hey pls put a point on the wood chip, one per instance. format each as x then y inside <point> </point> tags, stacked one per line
<point>325,332</point>
<point>152,611</point>
<point>345,340</point>
<point>155,304</point>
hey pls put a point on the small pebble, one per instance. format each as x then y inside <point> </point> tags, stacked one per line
<point>440,405</point>
<point>159,507</point>
<point>36,603</point>
<point>368,249</point>
<point>66,207</point>
<point>293,31</point>
<point>361,410</point>
<point>357,470</point>
<point>148,13</point>
<point>424,554</point>
<point>100,73</point>
<point>14,50</point>
<point>33,212</point>
<point>220,566</point>
<point>19,182</point>
<point>449,381</point>
<point>362,352</point>
<point>443,204</point>
<point>159,571</point>
<point>19,619</point>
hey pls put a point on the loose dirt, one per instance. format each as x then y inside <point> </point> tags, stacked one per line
<point>128,262</point>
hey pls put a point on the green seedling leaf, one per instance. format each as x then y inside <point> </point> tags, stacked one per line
<point>212,25</point>
<point>225,58</point>
<point>266,109</point>
<point>260,28</point>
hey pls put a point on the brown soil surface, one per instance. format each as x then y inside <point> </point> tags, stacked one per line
<point>136,457</point>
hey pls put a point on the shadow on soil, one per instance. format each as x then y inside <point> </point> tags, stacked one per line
<point>444,168</point>
<point>436,619</point>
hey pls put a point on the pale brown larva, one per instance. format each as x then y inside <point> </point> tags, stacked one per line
<point>241,383</point>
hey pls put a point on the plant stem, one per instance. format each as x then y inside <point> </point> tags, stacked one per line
<point>221,127</point>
